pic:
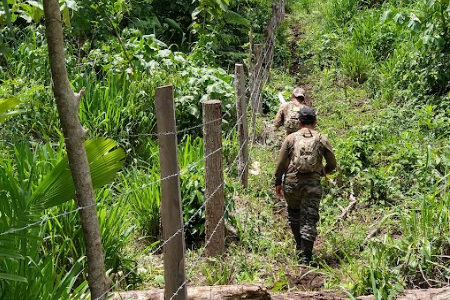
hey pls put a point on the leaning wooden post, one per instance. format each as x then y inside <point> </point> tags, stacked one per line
<point>255,87</point>
<point>68,104</point>
<point>241,108</point>
<point>259,60</point>
<point>171,215</point>
<point>212,149</point>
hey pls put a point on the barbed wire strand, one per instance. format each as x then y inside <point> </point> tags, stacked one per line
<point>254,111</point>
<point>230,168</point>
<point>206,200</point>
<point>45,219</point>
<point>206,243</point>
<point>116,136</point>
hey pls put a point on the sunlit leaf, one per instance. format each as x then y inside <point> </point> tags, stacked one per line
<point>6,105</point>
<point>235,18</point>
<point>430,3</point>
<point>66,15</point>
<point>173,24</point>
<point>414,23</point>
<point>58,187</point>
<point>387,16</point>
<point>399,18</point>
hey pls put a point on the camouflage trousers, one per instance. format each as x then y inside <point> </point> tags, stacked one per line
<point>303,201</point>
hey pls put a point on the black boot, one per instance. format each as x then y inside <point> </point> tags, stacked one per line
<point>297,236</point>
<point>307,247</point>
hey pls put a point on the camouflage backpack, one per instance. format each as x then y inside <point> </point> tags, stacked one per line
<point>291,121</point>
<point>307,156</point>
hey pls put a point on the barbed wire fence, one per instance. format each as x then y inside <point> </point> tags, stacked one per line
<point>260,72</point>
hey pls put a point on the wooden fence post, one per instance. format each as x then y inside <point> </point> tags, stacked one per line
<point>212,149</point>
<point>255,85</point>
<point>258,75</point>
<point>171,214</point>
<point>241,108</point>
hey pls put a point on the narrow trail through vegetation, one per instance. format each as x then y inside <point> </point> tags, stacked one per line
<point>377,73</point>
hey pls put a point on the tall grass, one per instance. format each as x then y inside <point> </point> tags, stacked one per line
<point>356,64</point>
<point>26,269</point>
<point>339,12</point>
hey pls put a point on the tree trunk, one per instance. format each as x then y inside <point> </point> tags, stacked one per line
<point>68,104</point>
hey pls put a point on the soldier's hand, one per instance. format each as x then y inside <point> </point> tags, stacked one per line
<point>279,191</point>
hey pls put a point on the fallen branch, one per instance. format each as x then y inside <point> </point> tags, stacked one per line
<point>220,292</point>
<point>256,292</point>
<point>373,233</point>
<point>350,206</point>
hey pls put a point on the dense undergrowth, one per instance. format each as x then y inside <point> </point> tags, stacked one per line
<point>378,74</point>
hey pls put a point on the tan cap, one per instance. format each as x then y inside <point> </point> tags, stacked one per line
<point>298,92</point>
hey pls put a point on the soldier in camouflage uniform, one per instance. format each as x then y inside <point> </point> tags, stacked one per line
<point>301,190</point>
<point>290,110</point>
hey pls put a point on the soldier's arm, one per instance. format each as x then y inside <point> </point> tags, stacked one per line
<point>279,118</point>
<point>330,159</point>
<point>282,163</point>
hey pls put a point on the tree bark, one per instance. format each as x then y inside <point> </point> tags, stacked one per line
<point>68,104</point>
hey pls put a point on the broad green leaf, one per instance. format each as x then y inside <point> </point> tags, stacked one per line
<point>71,4</point>
<point>6,105</point>
<point>193,111</point>
<point>9,114</point>
<point>13,277</point>
<point>35,4</point>
<point>414,23</point>
<point>235,18</point>
<point>430,3</point>
<point>427,40</point>
<point>399,18</point>
<point>58,187</point>
<point>164,53</point>
<point>173,24</point>
<point>387,16</point>
<point>66,15</point>
<point>68,281</point>
<point>195,13</point>
<point>223,4</point>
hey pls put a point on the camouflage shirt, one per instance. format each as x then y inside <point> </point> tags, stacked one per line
<point>285,165</point>
<point>281,119</point>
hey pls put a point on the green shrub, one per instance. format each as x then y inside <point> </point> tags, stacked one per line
<point>356,64</point>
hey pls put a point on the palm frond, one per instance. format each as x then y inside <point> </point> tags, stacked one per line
<point>6,105</point>
<point>58,187</point>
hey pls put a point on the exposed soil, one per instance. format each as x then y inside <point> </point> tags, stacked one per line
<point>296,68</point>
<point>309,280</point>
